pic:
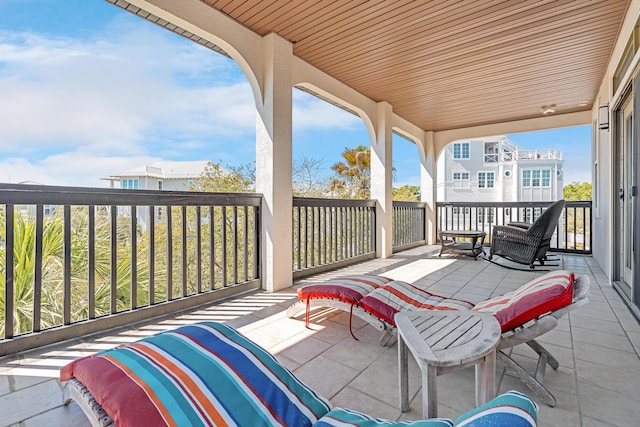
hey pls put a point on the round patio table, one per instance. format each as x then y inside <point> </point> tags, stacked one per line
<point>473,244</point>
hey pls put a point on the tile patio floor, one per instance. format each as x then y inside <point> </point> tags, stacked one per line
<point>598,346</point>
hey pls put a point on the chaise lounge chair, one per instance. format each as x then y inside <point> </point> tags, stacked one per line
<point>526,243</point>
<point>524,314</point>
<point>208,374</point>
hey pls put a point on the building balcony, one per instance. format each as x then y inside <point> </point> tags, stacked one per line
<point>597,346</point>
<point>519,154</point>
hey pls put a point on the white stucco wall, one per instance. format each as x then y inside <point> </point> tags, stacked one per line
<point>605,190</point>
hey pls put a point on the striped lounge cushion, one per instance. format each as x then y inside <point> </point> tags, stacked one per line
<point>340,417</point>
<point>550,292</point>
<point>196,375</point>
<point>512,409</point>
<point>349,289</point>
<point>396,296</point>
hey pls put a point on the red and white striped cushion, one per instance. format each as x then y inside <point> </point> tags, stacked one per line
<point>396,296</point>
<point>349,289</point>
<point>550,292</point>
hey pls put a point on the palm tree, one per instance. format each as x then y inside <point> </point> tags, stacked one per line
<point>24,273</point>
<point>353,175</point>
<point>52,297</point>
<point>102,265</point>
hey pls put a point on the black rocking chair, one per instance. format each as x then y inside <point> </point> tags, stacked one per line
<point>526,243</point>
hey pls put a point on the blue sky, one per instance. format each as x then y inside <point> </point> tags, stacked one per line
<point>89,90</point>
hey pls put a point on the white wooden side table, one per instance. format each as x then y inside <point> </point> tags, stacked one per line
<point>442,341</point>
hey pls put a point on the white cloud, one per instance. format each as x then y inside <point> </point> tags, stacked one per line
<point>311,113</point>
<point>73,110</point>
<point>110,96</point>
<point>73,169</point>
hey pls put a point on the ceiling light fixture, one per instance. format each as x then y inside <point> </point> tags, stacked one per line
<point>545,110</point>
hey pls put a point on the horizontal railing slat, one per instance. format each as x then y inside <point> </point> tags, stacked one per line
<point>53,195</point>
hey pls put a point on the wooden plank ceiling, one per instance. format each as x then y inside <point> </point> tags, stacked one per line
<point>446,64</point>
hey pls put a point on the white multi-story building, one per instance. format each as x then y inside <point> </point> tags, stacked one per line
<point>176,176</point>
<point>160,176</point>
<point>497,170</point>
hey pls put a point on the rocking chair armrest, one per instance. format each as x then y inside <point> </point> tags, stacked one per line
<point>523,225</point>
<point>510,231</point>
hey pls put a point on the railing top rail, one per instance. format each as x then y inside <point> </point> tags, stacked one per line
<point>585,203</point>
<point>58,195</point>
<point>407,204</point>
<point>314,202</point>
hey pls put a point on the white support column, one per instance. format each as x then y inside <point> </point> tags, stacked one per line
<point>516,188</point>
<point>381,179</point>
<point>273,163</point>
<point>428,165</point>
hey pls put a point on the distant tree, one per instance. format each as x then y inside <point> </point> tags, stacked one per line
<point>352,178</point>
<point>307,178</point>
<point>233,179</point>
<point>215,178</point>
<point>577,192</point>
<point>407,193</point>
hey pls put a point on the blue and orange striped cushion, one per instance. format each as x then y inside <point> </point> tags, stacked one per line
<point>340,417</point>
<point>197,375</point>
<point>512,409</point>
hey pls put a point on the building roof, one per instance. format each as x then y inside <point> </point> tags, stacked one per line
<point>165,170</point>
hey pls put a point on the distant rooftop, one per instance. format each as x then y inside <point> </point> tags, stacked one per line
<point>165,170</point>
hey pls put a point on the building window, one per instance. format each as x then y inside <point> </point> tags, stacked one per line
<point>507,173</point>
<point>536,178</point>
<point>461,176</point>
<point>129,184</point>
<point>461,150</point>
<point>486,179</point>
<point>461,181</point>
<point>159,185</point>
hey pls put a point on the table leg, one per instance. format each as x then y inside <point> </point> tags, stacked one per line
<point>486,379</point>
<point>429,392</point>
<point>403,371</point>
<point>474,241</point>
